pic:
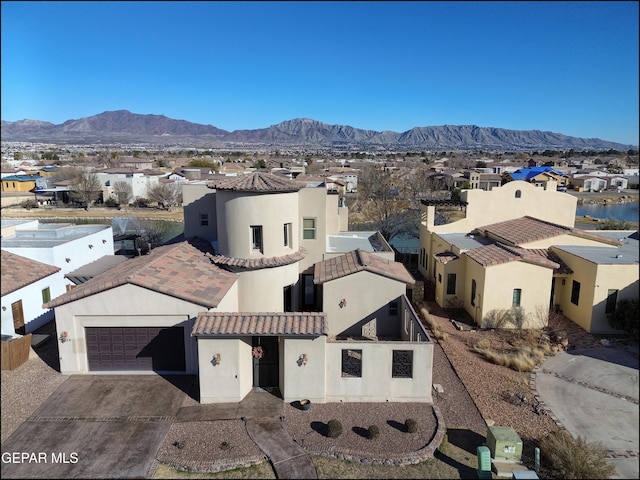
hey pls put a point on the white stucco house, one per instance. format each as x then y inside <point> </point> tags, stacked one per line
<point>267,289</point>
<point>26,286</point>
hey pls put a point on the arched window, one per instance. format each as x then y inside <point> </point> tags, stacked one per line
<point>518,194</point>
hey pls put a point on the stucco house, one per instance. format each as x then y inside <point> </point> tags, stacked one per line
<point>266,289</point>
<point>517,251</point>
<point>26,286</point>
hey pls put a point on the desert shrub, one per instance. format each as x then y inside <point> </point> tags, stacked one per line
<point>570,457</point>
<point>334,428</point>
<point>411,425</point>
<point>483,343</point>
<point>111,202</point>
<point>436,330</point>
<point>374,432</point>
<point>496,319</point>
<point>29,204</point>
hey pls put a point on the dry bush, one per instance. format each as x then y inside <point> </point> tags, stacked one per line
<point>575,458</point>
<point>524,359</point>
<point>433,325</point>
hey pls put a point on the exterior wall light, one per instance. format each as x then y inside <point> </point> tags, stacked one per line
<point>64,337</point>
<point>343,303</point>
<point>302,359</point>
<point>217,359</point>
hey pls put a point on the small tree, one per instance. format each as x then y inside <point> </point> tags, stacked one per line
<point>123,192</point>
<point>166,194</point>
<point>85,188</point>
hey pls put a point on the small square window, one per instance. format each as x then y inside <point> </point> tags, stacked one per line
<point>393,309</point>
<point>46,295</point>
<point>204,219</point>
<point>309,228</point>
<point>256,237</point>
<point>351,363</point>
<point>402,366</point>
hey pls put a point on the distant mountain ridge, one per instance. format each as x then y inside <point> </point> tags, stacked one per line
<point>122,126</point>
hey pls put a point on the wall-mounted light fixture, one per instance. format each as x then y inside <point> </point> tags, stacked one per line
<point>104,241</point>
<point>4,309</point>
<point>302,359</point>
<point>67,260</point>
<point>217,359</point>
<point>90,247</point>
<point>64,337</point>
<point>343,303</point>
<point>563,281</point>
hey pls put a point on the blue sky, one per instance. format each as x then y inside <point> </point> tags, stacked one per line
<point>566,67</point>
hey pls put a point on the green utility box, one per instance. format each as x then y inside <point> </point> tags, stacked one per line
<point>484,463</point>
<point>504,444</point>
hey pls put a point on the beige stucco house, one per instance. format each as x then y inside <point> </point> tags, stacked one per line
<point>267,289</point>
<point>517,252</point>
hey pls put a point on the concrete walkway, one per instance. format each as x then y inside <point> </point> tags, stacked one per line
<point>288,458</point>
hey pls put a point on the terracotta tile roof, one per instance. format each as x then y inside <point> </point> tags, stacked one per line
<point>260,323</point>
<point>18,272</point>
<point>497,253</point>
<point>359,261</point>
<point>255,263</point>
<point>523,230</point>
<point>528,229</point>
<point>553,257</point>
<point>256,182</point>
<point>181,270</point>
<point>445,257</point>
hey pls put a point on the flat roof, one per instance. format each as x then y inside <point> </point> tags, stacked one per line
<point>347,241</point>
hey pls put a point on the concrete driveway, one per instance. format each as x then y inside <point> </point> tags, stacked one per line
<point>594,393</point>
<point>102,426</point>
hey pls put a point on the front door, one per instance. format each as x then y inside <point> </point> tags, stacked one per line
<point>18,317</point>
<point>265,361</point>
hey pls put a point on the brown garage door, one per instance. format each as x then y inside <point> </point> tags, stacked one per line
<point>159,349</point>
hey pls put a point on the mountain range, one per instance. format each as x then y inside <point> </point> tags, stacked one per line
<point>122,126</point>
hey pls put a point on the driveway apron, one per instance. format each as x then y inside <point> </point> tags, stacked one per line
<point>593,393</point>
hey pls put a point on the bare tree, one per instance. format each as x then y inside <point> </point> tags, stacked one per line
<point>166,194</point>
<point>85,188</point>
<point>123,192</point>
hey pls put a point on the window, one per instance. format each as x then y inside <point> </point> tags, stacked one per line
<point>393,309</point>
<point>575,292</point>
<point>612,300</point>
<point>256,237</point>
<point>439,278</point>
<point>309,291</point>
<point>204,219</point>
<point>473,293</point>
<point>46,295</point>
<point>287,235</point>
<point>309,228</point>
<point>517,293</point>
<point>351,363</point>
<point>518,194</point>
<point>451,284</point>
<point>402,366</point>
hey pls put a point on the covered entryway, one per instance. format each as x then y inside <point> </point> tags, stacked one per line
<point>158,349</point>
<point>265,361</point>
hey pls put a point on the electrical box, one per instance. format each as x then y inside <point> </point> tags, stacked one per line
<point>504,444</point>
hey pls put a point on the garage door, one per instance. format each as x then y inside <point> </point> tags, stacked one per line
<point>159,349</point>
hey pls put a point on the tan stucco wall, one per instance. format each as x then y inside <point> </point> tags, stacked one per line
<point>376,383</point>
<point>500,281</point>
<point>263,290</point>
<point>365,294</point>
<point>114,308</point>
<point>299,381</point>
<point>232,379</point>
<point>197,198</point>
<point>238,211</point>
<point>442,298</point>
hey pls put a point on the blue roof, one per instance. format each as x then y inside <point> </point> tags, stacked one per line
<point>22,178</point>
<point>528,173</point>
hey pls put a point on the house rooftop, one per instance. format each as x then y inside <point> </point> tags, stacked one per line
<point>256,182</point>
<point>18,272</point>
<point>347,241</point>
<point>626,253</point>
<point>359,261</point>
<point>181,270</point>
<point>497,253</point>
<point>47,235</point>
<point>260,323</point>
